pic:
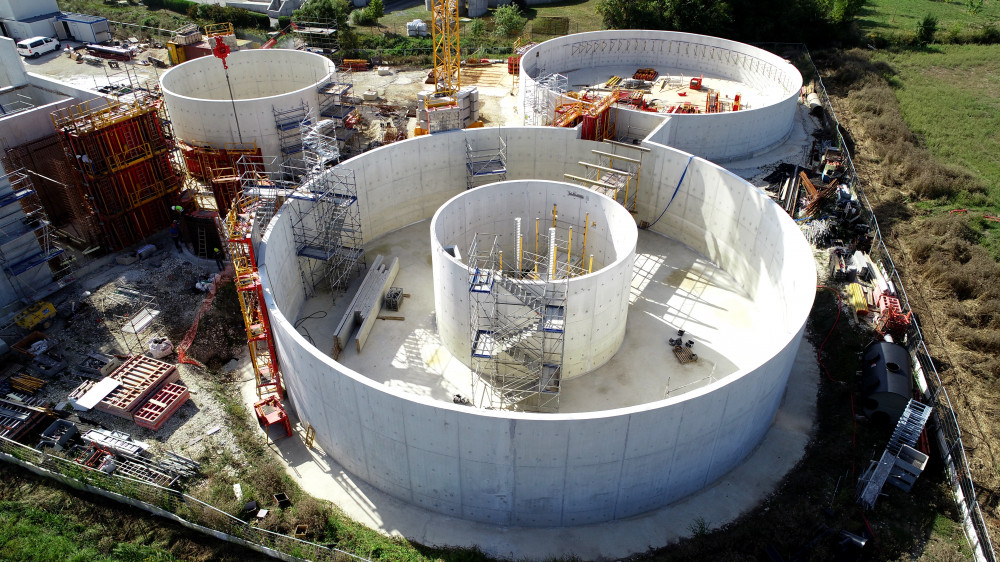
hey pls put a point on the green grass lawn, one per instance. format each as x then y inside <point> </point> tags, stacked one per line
<point>903,15</point>
<point>950,97</point>
<point>582,16</point>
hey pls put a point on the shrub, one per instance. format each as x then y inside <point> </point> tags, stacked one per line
<point>508,21</point>
<point>926,29</point>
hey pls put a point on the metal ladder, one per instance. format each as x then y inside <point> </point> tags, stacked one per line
<point>202,248</point>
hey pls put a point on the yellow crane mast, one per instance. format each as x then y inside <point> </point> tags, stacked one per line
<point>447,49</point>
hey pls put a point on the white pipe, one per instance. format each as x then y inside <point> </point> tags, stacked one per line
<point>517,250</point>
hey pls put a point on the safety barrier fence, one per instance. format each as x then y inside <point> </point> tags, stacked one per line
<point>172,504</point>
<point>949,435</point>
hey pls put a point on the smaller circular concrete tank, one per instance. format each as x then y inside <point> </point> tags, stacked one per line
<point>265,83</point>
<point>559,241</point>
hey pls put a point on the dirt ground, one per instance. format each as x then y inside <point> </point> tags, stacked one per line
<point>169,277</point>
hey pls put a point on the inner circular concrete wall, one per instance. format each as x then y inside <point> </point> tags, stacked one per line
<point>515,468</point>
<point>596,303</point>
<point>714,136</point>
<point>263,81</point>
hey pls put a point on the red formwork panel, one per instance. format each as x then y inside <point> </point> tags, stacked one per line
<point>139,376</point>
<point>158,409</point>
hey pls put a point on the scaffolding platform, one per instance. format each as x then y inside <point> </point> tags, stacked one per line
<point>485,165</point>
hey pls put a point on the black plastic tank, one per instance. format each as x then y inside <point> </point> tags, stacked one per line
<point>886,382</point>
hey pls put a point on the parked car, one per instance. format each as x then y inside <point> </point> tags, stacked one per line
<point>37,46</point>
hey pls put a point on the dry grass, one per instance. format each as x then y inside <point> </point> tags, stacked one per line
<point>905,163</point>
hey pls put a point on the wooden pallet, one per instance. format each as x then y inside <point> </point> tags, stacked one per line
<point>140,376</point>
<point>684,354</point>
<point>158,409</point>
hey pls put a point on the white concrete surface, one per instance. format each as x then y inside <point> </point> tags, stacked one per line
<point>597,303</point>
<point>771,83</point>
<point>740,490</point>
<point>559,469</point>
<point>197,95</point>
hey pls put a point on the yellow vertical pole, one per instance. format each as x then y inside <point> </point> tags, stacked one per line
<point>586,225</point>
<point>501,263</point>
<point>536,247</point>
<point>520,253</point>
<point>553,216</point>
<point>569,253</point>
<point>591,268</point>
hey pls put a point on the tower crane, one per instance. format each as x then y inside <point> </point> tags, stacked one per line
<point>447,49</point>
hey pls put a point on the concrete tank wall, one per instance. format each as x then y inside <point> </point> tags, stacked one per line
<point>549,469</point>
<point>596,304</point>
<point>718,137</point>
<point>197,95</point>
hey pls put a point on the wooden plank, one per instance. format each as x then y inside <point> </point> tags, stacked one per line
<point>810,188</point>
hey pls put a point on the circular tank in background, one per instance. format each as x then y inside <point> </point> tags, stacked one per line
<point>768,82</point>
<point>264,81</point>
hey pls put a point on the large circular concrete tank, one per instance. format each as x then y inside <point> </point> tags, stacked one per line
<point>769,87</point>
<point>263,82</point>
<point>571,467</point>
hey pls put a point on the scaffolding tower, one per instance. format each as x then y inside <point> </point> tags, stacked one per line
<point>124,157</point>
<point>133,315</point>
<point>318,34</point>
<point>542,97</point>
<point>288,123</point>
<point>240,234</point>
<point>212,169</point>
<point>517,323</point>
<point>615,172</point>
<point>485,165</point>
<point>30,257</point>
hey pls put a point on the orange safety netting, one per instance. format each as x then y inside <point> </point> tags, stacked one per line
<point>182,357</point>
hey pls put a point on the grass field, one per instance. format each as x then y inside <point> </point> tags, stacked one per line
<point>903,15</point>
<point>582,16</point>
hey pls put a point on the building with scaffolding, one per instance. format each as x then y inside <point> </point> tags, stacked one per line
<point>124,157</point>
<point>32,262</point>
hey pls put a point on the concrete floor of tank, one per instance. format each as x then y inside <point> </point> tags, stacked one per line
<point>672,288</point>
<point>738,491</point>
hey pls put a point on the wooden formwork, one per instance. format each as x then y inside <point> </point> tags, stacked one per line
<point>158,409</point>
<point>140,376</point>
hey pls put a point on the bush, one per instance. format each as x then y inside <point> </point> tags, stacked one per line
<point>926,29</point>
<point>508,21</point>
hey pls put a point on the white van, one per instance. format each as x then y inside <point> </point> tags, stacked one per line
<point>37,46</point>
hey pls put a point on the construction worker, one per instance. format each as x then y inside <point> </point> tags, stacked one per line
<point>219,258</point>
<point>175,235</point>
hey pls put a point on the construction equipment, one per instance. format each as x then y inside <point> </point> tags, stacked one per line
<point>40,313</point>
<point>278,35</point>
<point>447,48</point>
<point>696,82</point>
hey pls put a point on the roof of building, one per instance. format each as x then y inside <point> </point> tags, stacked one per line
<point>82,18</point>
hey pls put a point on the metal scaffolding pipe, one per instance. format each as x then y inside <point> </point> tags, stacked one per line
<point>517,227</point>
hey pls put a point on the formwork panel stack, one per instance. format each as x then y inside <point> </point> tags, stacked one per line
<point>124,157</point>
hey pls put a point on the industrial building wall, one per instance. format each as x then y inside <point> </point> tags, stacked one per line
<point>18,30</point>
<point>12,73</point>
<point>25,9</point>
<point>559,469</point>
<point>16,249</point>
<point>716,137</point>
